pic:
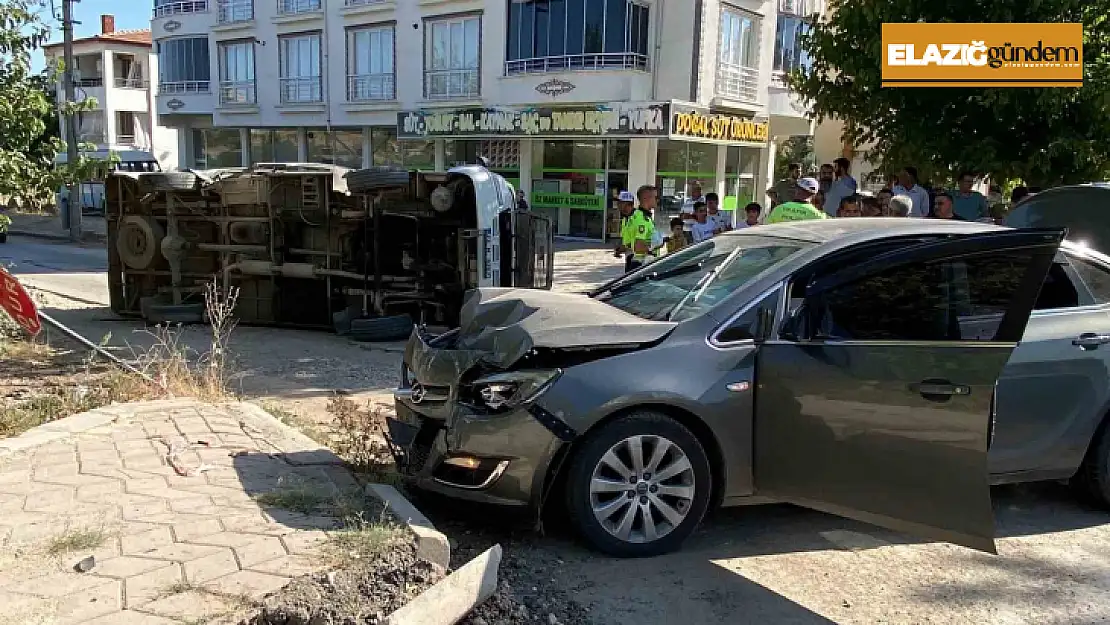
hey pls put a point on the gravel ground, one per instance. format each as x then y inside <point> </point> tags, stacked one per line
<point>363,593</point>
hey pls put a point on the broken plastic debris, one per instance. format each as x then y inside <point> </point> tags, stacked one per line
<point>85,564</point>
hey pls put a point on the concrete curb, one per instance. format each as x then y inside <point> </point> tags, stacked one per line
<point>87,237</point>
<point>431,544</point>
<point>447,602</point>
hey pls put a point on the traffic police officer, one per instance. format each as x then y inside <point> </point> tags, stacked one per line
<point>636,233</point>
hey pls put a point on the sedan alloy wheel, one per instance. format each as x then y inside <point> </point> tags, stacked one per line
<point>642,488</point>
<point>638,485</point>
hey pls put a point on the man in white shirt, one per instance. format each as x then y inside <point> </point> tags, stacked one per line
<point>907,185</point>
<point>688,210</point>
<point>844,186</point>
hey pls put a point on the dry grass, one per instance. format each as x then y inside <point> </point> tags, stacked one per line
<point>61,382</point>
<point>358,440</point>
<point>73,540</point>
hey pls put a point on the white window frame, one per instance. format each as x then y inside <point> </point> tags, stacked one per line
<point>300,67</point>
<point>237,75</point>
<point>455,76</point>
<point>738,55</point>
<point>371,73</point>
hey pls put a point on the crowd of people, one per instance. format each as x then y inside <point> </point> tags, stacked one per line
<point>832,194</point>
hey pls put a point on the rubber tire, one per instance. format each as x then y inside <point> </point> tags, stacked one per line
<point>170,181</point>
<point>379,329</point>
<point>580,471</point>
<point>151,230</point>
<point>374,178</point>
<point>1092,481</point>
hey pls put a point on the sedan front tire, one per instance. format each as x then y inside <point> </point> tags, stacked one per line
<point>639,486</point>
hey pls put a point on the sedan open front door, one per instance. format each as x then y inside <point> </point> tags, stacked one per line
<point>874,401</point>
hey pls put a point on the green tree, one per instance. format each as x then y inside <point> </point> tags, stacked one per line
<point>1046,136</point>
<point>796,149</point>
<point>27,110</point>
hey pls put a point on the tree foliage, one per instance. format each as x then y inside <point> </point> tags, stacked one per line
<point>28,127</point>
<point>1044,136</point>
<point>796,149</point>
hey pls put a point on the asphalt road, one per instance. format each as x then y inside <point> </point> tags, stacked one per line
<point>769,564</point>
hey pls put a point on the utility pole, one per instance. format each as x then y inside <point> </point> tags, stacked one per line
<point>73,199</point>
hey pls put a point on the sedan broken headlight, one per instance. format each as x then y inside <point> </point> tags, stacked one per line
<point>505,391</point>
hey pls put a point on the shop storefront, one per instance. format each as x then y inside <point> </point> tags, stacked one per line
<point>573,161</point>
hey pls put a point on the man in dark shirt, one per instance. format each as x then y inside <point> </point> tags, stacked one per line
<point>944,207</point>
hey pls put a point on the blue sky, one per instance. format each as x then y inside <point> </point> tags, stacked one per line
<point>88,12</point>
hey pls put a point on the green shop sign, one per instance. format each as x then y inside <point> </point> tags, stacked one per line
<point>581,201</point>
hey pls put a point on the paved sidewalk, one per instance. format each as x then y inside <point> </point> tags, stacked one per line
<point>94,227</point>
<point>163,495</point>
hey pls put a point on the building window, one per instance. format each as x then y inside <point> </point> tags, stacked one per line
<point>738,63</point>
<point>125,127</point>
<point>214,148</point>
<point>370,60</point>
<point>559,35</point>
<point>237,72</point>
<point>293,7</point>
<point>452,57</point>
<point>183,65</point>
<point>578,185</point>
<point>273,146</point>
<point>235,10</point>
<point>682,166</point>
<point>794,21</point>
<point>163,8</point>
<point>90,126</point>
<point>299,56</point>
<point>338,147</point>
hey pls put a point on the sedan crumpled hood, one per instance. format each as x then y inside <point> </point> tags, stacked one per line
<point>505,324</point>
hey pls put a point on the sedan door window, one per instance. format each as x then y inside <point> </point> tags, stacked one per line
<point>951,300</point>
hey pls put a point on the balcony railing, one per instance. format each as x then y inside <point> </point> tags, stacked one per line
<point>362,3</point>
<point>176,8</point>
<point>236,92</point>
<point>236,11</point>
<point>293,7</point>
<point>130,83</point>
<point>89,82</point>
<point>737,82</point>
<point>306,89</point>
<point>612,60</point>
<point>444,84</point>
<point>363,87</point>
<point>184,86</point>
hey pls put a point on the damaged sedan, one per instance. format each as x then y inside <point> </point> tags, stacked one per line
<point>849,366</point>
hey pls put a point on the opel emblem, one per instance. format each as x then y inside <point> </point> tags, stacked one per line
<point>417,394</point>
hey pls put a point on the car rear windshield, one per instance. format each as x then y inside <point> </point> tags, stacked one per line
<point>689,283</point>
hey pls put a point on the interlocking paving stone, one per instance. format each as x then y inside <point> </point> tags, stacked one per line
<point>107,471</point>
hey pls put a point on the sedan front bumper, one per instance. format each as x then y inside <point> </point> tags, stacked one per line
<point>499,459</point>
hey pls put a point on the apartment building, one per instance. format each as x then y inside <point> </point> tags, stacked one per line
<point>572,100</point>
<point>115,68</point>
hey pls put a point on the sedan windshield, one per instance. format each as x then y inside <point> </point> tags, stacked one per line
<point>691,282</point>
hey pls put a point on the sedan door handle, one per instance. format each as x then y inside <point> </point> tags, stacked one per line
<point>940,389</point>
<point>1090,340</point>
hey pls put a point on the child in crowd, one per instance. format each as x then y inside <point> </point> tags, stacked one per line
<point>702,228</point>
<point>676,240</point>
<point>751,215</point>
